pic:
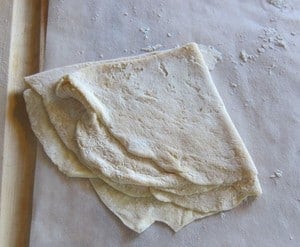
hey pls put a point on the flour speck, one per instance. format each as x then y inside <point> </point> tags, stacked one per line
<point>278,3</point>
<point>233,85</point>
<point>261,50</point>
<point>223,215</point>
<point>277,174</point>
<point>151,48</point>
<point>211,55</point>
<point>245,57</point>
<point>145,31</point>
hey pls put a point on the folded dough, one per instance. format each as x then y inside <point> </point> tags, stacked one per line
<point>154,105</point>
<point>139,213</point>
<point>151,131</point>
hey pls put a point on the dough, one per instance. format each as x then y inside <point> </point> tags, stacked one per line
<point>139,94</point>
<point>151,131</point>
<point>139,213</point>
<point>53,146</point>
<point>65,160</point>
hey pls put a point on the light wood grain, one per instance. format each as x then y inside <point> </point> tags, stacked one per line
<point>5,29</point>
<point>19,149</point>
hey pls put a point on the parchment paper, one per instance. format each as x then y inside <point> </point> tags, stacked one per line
<point>262,97</point>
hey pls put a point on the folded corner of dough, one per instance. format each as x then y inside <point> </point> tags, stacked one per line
<point>151,132</point>
<point>53,146</point>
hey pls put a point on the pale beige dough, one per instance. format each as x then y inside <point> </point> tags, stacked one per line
<point>139,213</point>
<point>152,127</point>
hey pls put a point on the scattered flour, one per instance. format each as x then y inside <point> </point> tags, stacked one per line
<point>281,43</point>
<point>145,31</point>
<point>211,55</point>
<point>277,174</point>
<point>222,215</point>
<point>261,50</point>
<point>134,10</point>
<point>233,85</point>
<point>272,38</point>
<point>151,48</point>
<point>245,57</point>
<point>278,3</point>
<point>270,68</point>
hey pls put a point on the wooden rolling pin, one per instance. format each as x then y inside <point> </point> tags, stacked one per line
<point>27,23</point>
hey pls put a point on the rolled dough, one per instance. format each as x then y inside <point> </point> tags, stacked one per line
<point>151,131</point>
